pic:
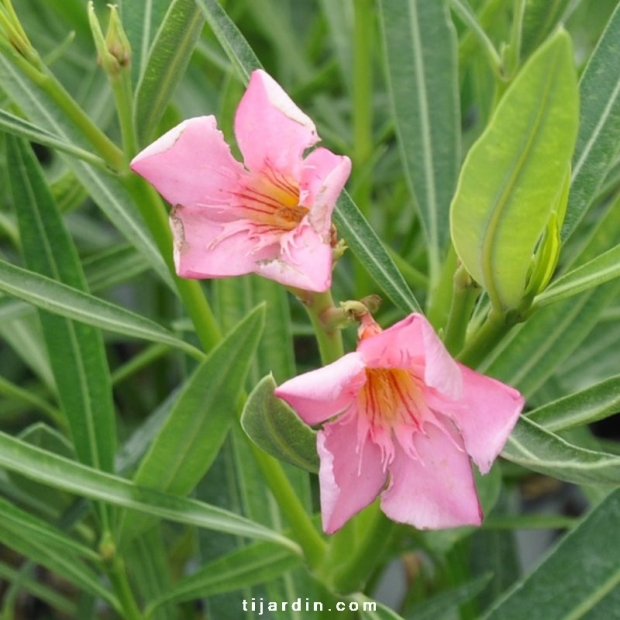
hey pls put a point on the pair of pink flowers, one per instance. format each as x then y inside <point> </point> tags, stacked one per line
<point>401,418</point>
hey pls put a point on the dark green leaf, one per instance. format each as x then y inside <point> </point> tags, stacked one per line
<point>578,579</point>
<point>422,69</point>
<point>167,60</point>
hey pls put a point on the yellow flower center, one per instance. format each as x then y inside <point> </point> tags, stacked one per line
<point>271,199</point>
<point>389,396</point>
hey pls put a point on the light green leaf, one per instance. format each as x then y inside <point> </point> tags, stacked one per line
<point>61,473</point>
<point>589,405</point>
<point>198,423</point>
<point>168,58</point>
<point>514,173</point>
<point>535,448</point>
<point>371,610</point>
<point>369,250</point>
<point>422,70</point>
<point>599,124</point>
<point>75,304</point>
<point>599,270</point>
<point>230,38</point>
<point>76,351</point>
<point>275,428</point>
<point>239,569</point>
<point>578,579</point>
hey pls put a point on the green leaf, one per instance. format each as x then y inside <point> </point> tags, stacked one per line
<point>369,250</point>
<point>52,548</point>
<point>584,407</point>
<point>422,69</point>
<point>61,473</point>
<point>578,579</point>
<point>535,448</point>
<point>599,124</point>
<point>230,38</point>
<point>198,423</point>
<point>72,303</point>
<point>76,351</point>
<point>539,19</point>
<point>275,428</point>
<point>371,610</point>
<point>24,129</point>
<point>141,21</point>
<point>105,189</point>
<point>239,569</point>
<point>599,270</point>
<point>514,173</point>
<point>168,58</point>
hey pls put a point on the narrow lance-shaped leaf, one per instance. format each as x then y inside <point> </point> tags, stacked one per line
<point>198,423</point>
<point>167,60</point>
<point>73,303</point>
<point>61,473</point>
<point>422,70</point>
<point>230,38</point>
<point>578,579</point>
<point>105,189</point>
<point>531,446</point>
<point>584,407</point>
<point>241,568</point>
<point>513,175</point>
<point>599,124</point>
<point>76,351</point>
<point>369,250</point>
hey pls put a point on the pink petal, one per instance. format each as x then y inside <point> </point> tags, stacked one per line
<point>413,344</point>
<point>272,132</point>
<point>191,164</point>
<point>321,394</point>
<point>206,249</point>
<point>485,416</point>
<point>435,492</point>
<point>304,261</point>
<point>322,180</point>
<point>349,479</point>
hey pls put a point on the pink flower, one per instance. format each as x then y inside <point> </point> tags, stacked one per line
<point>409,416</point>
<point>271,216</point>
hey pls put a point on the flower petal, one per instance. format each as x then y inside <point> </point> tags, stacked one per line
<point>191,164</point>
<point>272,132</point>
<point>304,261</point>
<point>412,344</point>
<point>206,249</point>
<point>485,416</point>
<point>350,479</point>
<point>322,180</point>
<point>321,394</point>
<point>437,491</point>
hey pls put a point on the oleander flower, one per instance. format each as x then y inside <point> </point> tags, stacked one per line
<point>402,420</point>
<point>270,215</point>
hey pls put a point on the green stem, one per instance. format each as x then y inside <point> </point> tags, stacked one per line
<point>120,583</point>
<point>123,96</point>
<point>485,339</point>
<point>154,214</point>
<point>301,525</point>
<point>352,576</point>
<point>329,338</point>
<point>463,300</point>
